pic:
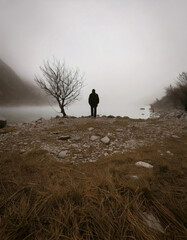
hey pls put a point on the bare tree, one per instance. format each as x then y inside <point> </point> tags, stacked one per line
<point>60,82</point>
<point>178,93</point>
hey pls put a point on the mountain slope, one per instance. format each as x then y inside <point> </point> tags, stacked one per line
<point>14,91</point>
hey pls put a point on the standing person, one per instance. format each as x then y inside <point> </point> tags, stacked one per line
<point>93,101</point>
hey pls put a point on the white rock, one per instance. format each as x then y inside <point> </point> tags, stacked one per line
<point>105,140</point>
<point>93,138</point>
<point>116,151</point>
<point>175,136</point>
<point>134,176</point>
<point>170,153</point>
<point>62,154</point>
<point>143,164</point>
<point>92,160</point>
<point>152,222</point>
<point>91,128</point>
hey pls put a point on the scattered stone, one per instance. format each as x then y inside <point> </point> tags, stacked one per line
<point>64,138</point>
<point>74,145</point>
<point>116,151</point>
<point>92,160</point>
<point>76,138</point>
<point>152,222</point>
<point>143,164</point>
<point>134,176</point>
<point>37,134</point>
<point>62,154</point>
<point>91,128</point>
<point>170,153</point>
<point>175,136</point>
<point>93,138</point>
<point>85,146</point>
<point>105,140</point>
<point>119,130</point>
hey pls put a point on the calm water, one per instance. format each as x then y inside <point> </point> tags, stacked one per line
<point>31,113</point>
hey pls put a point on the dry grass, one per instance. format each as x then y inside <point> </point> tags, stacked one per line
<point>44,199</point>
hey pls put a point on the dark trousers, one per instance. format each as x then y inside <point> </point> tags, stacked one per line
<point>93,111</point>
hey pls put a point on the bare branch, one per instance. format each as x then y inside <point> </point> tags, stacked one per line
<point>62,83</point>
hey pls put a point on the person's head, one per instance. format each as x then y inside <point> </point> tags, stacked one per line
<point>93,90</point>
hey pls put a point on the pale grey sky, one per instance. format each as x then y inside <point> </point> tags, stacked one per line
<point>129,50</point>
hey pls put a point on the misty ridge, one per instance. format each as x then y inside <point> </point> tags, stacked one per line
<point>16,92</point>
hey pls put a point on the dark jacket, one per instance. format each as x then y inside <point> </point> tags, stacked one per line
<point>93,99</point>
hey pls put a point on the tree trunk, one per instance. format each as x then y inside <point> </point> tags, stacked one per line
<point>63,111</point>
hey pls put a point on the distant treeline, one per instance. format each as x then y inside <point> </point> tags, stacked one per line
<point>176,96</point>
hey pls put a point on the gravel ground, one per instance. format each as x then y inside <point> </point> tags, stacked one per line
<point>71,139</point>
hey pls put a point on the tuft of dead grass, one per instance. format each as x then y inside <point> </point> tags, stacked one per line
<point>44,199</point>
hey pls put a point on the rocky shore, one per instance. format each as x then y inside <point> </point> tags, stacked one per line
<point>168,113</point>
<point>87,139</point>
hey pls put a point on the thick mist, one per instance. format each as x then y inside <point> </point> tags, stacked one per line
<point>129,50</point>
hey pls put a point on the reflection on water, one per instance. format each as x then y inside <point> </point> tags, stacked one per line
<point>31,113</point>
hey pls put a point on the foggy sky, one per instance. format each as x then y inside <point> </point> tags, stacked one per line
<point>129,50</point>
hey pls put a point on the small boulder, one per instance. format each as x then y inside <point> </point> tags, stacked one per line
<point>91,128</point>
<point>63,154</point>
<point>143,164</point>
<point>152,221</point>
<point>105,140</point>
<point>93,138</point>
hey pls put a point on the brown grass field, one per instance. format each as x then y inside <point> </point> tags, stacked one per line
<point>42,199</point>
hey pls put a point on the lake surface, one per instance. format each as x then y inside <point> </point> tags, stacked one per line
<point>32,113</point>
